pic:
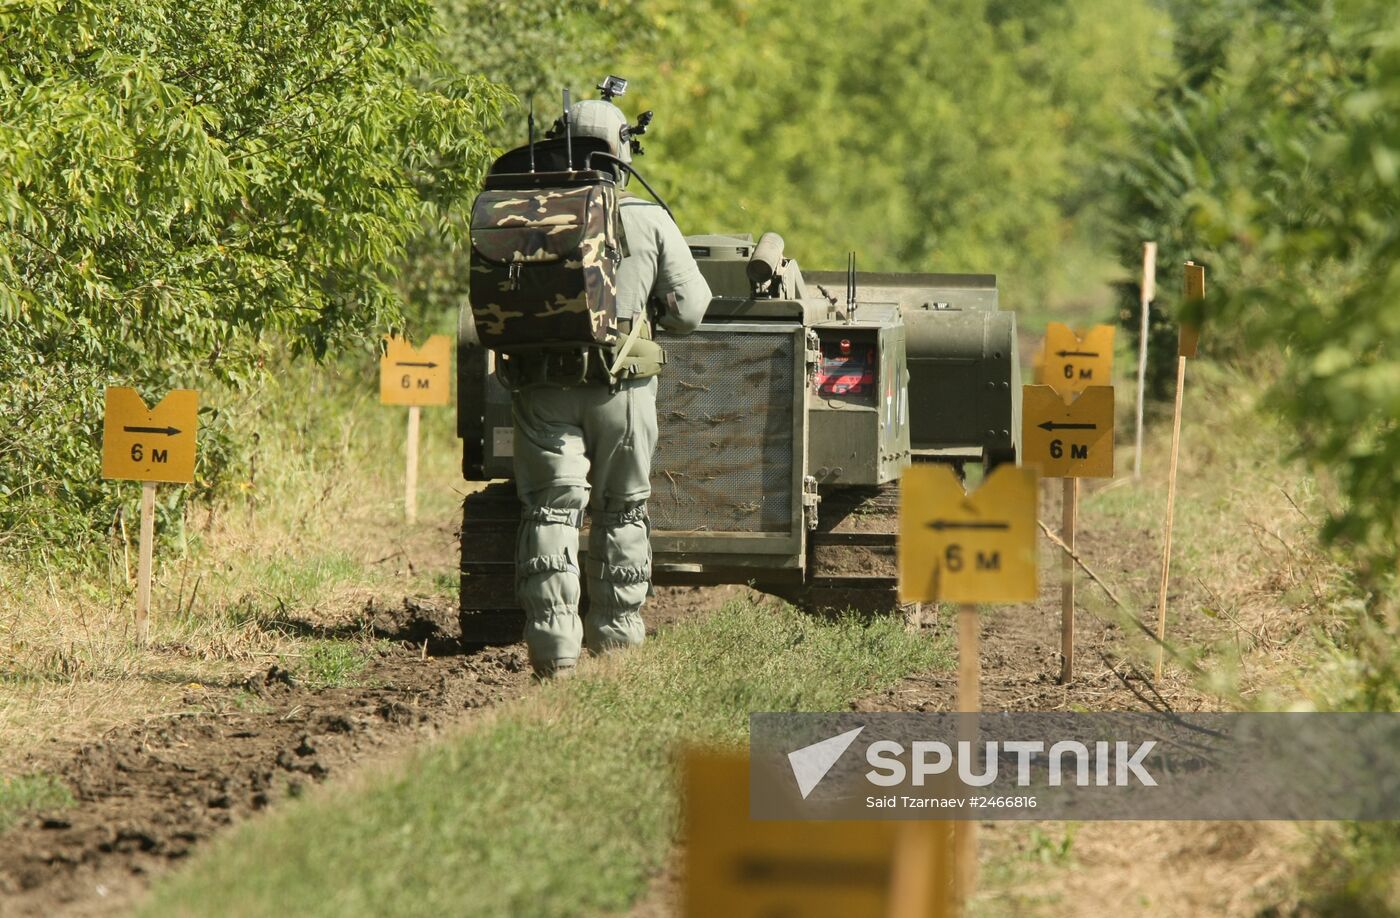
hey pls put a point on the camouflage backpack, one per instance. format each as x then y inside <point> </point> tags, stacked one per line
<point>544,260</point>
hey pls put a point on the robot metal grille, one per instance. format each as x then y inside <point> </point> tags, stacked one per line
<point>725,411</point>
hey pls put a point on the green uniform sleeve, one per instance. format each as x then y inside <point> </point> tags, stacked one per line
<point>659,269</point>
<point>678,275</point>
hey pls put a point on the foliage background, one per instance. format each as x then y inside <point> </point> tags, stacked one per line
<point>1276,160</point>
<point>191,190</point>
<point>193,193</point>
<point>1274,157</point>
<point>961,136</point>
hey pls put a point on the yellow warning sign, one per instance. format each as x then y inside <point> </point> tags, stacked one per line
<point>149,444</point>
<point>1195,284</point>
<point>969,548</point>
<point>1068,439</point>
<point>1074,362</point>
<point>737,867</point>
<point>416,376</point>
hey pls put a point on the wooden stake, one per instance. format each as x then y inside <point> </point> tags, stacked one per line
<point>914,871</point>
<point>1149,285</point>
<point>410,478</point>
<point>969,665</point>
<point>1070,510</point>
<point>143,570</point>
<point>1171,509</point>
<point>969,701</point>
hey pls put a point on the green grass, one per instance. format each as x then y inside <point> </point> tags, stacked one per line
<point>565,803</point>
<point>308,575</point>
<point>26,794</point>
<point>331,662</point>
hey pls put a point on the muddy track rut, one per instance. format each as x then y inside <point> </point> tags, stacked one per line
<point>148,794</point>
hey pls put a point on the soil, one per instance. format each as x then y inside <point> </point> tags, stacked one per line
<point>148,794</point>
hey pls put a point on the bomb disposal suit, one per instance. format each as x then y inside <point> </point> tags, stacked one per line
<point>570,275</point>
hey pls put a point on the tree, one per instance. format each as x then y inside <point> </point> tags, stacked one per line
<point>1278,164</point>
<point>186,184</point>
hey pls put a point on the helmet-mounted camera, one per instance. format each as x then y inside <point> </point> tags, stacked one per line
<point>612,86</point>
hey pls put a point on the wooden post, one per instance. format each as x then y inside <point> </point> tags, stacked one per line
<point>912,891</point>
<point>969,665</point>
<point>410,478</point>
<point>1148,291</point>
<point>1171,508</point>
<point>1069,519</point>
<point>1194,284</point>
<point>969,701</point>
<point>143,569</point>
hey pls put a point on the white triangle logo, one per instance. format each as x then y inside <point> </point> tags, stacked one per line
<point>811,763</point>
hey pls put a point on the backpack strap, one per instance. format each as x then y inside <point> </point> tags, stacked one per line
<point>626,348</point>
<point>638,357</point>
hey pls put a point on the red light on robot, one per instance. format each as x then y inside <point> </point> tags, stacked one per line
<point>845,345</point>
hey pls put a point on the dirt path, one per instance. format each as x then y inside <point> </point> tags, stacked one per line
<point>149,793</point>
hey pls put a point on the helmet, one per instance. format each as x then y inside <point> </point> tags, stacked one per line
<point>605,121</point>
<point>600,119</point>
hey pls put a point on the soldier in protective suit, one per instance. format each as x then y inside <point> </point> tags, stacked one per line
<point>588,447</point>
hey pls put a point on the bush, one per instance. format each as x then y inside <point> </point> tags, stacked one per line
<point>1276,161</point>
<point>185,186</point>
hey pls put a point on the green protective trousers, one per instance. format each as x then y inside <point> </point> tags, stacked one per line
<point>576,449</point>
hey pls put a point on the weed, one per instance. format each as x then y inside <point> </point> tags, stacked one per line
<point>27,794</point>
<point>1045,849</point>
<point>331,662</point>
<point>254,576</point>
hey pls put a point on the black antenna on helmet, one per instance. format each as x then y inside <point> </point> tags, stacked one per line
<point>568,131</point>
<point>530,121</point>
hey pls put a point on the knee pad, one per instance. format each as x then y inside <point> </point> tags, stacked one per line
<point>619,574</point>
<point>622,539</point>
<point>547,542</point>
<point>619,562</point>
<point>560,563</point>
<point>540,592</point>
<point>617,589</point>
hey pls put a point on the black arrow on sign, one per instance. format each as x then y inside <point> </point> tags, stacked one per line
<point>1076,353</point>
<point>410,363</point>
<point>1051,425</point>
<point>941,525</point>
<point>167,431</point>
